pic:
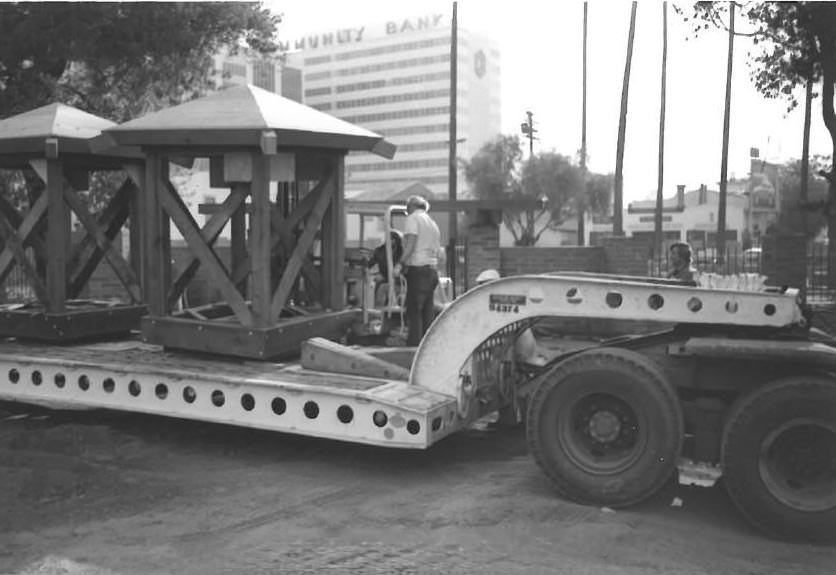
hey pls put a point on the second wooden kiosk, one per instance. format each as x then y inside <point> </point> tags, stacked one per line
<point>286,242</point>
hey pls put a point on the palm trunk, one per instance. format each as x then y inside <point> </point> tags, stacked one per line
<point>724,163</point>
<point>618,192</point>
<point>657,220</point>
<point>582,204</point>
<point>805,154</point>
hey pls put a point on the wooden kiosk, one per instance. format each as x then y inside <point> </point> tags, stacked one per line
<point>283,164</point>
<point>63,146</point>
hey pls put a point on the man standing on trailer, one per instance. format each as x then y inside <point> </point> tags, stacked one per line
<point>422,246</point>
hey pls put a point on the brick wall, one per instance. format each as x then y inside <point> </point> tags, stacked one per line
<point>201,290</point>
<point>626,256</point>
<point>533,260</point>
<point>482,250</point>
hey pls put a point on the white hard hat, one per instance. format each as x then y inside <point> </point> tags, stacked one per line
<point>487,276</point>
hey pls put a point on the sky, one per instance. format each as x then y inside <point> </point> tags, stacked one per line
<point>541,45</point>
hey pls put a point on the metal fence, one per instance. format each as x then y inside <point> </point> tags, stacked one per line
<point>819,290</point>
<point>16,287</point>
<point>733,260</point>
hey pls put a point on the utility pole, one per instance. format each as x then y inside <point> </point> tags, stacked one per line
<point>583,200</point>
<point>527,128</point>
<point>452,166</point>
<point>724,164</point>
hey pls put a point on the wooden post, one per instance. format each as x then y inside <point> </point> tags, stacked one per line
<point>260,241</point>
<point>238,243</point>
<point>333,244</point>
<point>155,246</point>
<point>58,237</point>
<point>137,175</point>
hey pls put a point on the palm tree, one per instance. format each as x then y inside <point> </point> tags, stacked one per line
<point>618,193</point>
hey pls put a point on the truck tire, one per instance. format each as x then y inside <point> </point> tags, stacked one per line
<point>779,457</point>
<point>606,427</point>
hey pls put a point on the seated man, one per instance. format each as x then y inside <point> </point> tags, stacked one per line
<point>679,263</point>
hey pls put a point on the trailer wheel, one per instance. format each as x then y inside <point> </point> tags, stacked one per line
<point>606,427</point>
<point>779,457</point>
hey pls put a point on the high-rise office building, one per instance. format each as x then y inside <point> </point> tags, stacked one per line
<point>248,67</point>
<point>393,78</point>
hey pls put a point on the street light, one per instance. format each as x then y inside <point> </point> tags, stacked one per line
<point>527,128</point>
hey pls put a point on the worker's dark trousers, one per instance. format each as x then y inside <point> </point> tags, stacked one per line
<point>421,282</point>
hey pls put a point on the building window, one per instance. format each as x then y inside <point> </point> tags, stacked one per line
<point>409,130</point>
<point>317,92</point>
<point>423,146</point>
<point>423,179</point>
<point>322,107</point>
<point>317,60</point>
<point>264,74</point>
<point>402,165</point>
<point>443,41</point>
<point>401,81</point>
<point>379,100</point>
<point>384,66</point>
<point>398,114</point>
<point>232,70</point>
<point>313,76</point>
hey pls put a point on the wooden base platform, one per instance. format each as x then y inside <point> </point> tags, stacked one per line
<point>82,320</point>
<point>232,339</point>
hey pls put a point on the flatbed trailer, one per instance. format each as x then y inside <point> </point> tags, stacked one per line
<point>733,382</point>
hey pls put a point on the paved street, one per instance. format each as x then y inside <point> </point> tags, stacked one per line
<point>115,494</point>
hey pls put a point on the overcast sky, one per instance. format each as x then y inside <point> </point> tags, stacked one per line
<point>541,45</point>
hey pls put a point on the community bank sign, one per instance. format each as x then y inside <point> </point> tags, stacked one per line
<point>357,35</point>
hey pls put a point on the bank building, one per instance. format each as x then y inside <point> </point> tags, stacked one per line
<point>393,77</point>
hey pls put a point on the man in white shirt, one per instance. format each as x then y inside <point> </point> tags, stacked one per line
<point>422,245</point>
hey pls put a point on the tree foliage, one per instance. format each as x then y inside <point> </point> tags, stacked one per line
<point>796,44</point>
<point>116,60</point>
<point>119,60</point>
<point>797,216</point>
<point>498,171</point>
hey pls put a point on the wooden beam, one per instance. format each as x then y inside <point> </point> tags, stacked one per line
<point>86,255</point>
<point>155,246</point>
<point>238,244</point>
<point>57,237</point>
<point>16,219</point>
<point>15,251</point>
<point>23,232</point>
<point>117,262</point>
<point>209,233</point>
<point>172,204</point>
<point>333,240</point>
<point>300,251</point>
<point>260,242</point>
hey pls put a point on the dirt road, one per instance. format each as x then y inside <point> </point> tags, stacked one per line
<point>107,493</point>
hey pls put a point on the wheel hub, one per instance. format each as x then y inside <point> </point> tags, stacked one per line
<point>798,464</point>
<point>604,426</point>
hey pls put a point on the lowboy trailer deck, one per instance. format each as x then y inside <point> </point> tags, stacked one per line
<point>735,382</point>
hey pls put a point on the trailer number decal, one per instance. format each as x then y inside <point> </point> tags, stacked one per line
<point>506,303</point>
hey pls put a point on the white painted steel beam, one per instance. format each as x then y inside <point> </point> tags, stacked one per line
<point>486,309</point>
<point>359,410</point>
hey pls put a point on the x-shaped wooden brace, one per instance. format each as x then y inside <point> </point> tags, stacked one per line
<point>209,235</point>
<point>15,240</point>
<point>123,271</point>
<point>282,234</point>
<point>178,212</point>
<point>87,254</point>
<point>303,245</point>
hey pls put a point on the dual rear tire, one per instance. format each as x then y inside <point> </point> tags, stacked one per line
<point>606,427</point>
